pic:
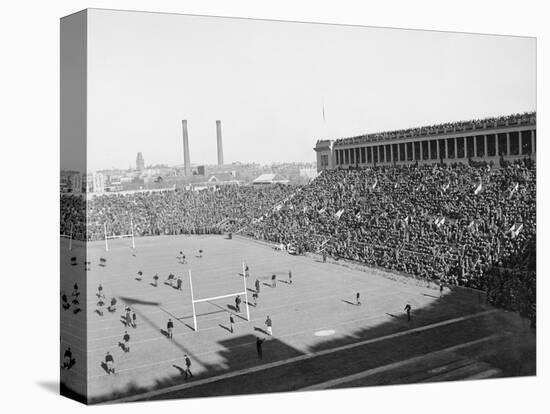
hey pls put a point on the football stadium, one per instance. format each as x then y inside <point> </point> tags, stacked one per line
<point>410,258</point>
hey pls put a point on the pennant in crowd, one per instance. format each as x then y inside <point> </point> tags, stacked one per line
<point>305,209</point>
<point>321,211</point>
<point>358,216</point>
<point>515,229</point>
<point>339,213</point>
<point>446,186</point>
<point>478,188</point>
<point>513,190</point>
<point>277,208</point>
<point>375,184</point>
<point>439,221</point>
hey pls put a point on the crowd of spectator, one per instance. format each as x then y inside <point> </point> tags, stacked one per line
<point>449,223</point>
<point>167,212</point>
<point>493,122</point>
<point>468,225</point>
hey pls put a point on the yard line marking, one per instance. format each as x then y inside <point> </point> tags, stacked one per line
<point>298,358</point>
<point>377,370</point>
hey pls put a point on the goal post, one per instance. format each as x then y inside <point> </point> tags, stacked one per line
<point>70,237</point>
<point>195,301</point>
<point>129,234</point>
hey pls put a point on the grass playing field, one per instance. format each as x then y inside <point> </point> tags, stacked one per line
<point>321,338</point>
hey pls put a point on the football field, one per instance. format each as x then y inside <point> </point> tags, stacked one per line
<point>322,338</point>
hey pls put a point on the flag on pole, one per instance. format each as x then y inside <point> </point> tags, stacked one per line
<point>324,120</point>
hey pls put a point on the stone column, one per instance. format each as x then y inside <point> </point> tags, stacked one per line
<point>456,147</point>
<point>485,147</point>
<point>437,148</point>
<point>508,143</point>
<point>398,152</point>
<point>520,142</point>
<point>533,142</point>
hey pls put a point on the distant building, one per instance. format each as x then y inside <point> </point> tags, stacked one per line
<point>66,181</point>
<point>267,179</point>
<point>140,163</point>
<point>95,183</point>
<point>76,184</point>
<point>222,178</point>
<point>308,173</point>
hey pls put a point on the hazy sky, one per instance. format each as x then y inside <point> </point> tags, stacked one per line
<point>268,81</point>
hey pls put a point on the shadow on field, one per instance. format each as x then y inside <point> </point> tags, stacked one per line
<point>501,343</point>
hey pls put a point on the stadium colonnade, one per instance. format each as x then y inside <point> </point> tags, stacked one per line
<point>512,137</point>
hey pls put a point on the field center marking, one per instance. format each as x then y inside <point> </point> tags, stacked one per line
<point>296,359</point>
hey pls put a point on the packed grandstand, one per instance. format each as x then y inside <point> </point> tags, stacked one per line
<point>526,118</point>
<point>469,225</point>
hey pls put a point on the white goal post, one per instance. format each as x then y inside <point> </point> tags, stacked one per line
<point>194,301</point>
<point>70,237</point>
<point>119,236</point>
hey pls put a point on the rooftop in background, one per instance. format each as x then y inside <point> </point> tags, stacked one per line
<point>527,118</point>
<point>270,179</point>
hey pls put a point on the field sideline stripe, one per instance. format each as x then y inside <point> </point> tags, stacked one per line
<point>296,359</point>
<point>377,370</point>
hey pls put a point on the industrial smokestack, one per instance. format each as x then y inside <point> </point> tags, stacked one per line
<point>220,146</point>
<point>186,158</point>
